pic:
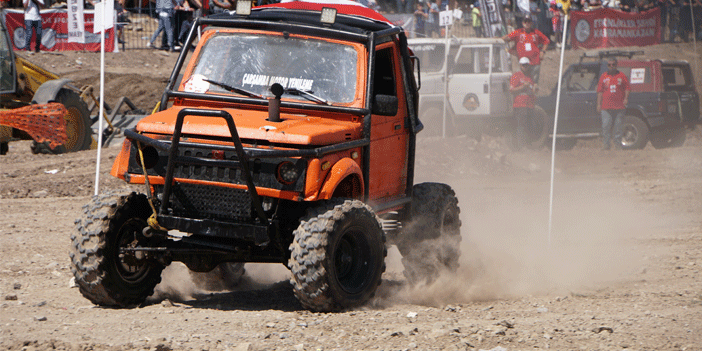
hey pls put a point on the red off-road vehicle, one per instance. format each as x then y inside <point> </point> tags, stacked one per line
<point>291,139</point>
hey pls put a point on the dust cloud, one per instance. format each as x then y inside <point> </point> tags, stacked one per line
<point>506,251</point>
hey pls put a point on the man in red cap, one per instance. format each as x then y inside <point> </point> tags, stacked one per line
<point>531,43</point>
<point>524,90</point>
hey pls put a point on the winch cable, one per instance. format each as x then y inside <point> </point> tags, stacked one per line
<point>152,220</point>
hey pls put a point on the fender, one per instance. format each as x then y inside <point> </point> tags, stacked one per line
<point>638,111</point>
<point>341,170</point>
<point>47,92</point>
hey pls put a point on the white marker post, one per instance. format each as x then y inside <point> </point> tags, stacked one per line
<point>555,131</point>
<point>102,22</point>
<point>445,20</point>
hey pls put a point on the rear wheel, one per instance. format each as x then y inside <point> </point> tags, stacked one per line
<point>107,272</point>
<point>78,124</point>
<point>634,133</point>
<point>669,138</point>
<point>337,256</point>
<point>4,148</point>
<point>430,241</point>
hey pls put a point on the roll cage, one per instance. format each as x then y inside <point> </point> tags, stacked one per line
<point>347,28</point>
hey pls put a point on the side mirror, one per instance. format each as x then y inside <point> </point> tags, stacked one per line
<point>385,105</point>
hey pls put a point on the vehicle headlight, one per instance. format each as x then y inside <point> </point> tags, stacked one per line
<point>287,172</point>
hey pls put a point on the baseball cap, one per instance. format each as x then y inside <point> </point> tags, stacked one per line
<point>524,61</point>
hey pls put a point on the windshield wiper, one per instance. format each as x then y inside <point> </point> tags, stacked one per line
<point>234,89</point>
<point>307,95</point>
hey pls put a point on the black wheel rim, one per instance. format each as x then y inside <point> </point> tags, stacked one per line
<point>132,266</point>
<point>353,263</point>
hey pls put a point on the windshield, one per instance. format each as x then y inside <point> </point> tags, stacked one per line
<point>253,62</point>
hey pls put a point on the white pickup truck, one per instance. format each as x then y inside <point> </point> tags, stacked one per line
<point>479,70</point>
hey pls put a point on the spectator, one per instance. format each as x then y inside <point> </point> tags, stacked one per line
<point>557,23</point>
<point>219,6</point>
<point>193,10</point>
<point>166,11</point>
<point>524,90</point>
<point>674,18</point>
<point>612,98</point>
<point>685,22</point>
<point>477,21</point>
<point>644,5</point>
<point>663,7</point>
<point>627,5</point>
<point>697,12</point>
<point>530,43</point>
<point>432,25</point>
<point>32,22</point>
<point>404,6</point>
<point>420,18</point>
<point>122,19</point>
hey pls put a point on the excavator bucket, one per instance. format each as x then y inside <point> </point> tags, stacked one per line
<point>43,122</point>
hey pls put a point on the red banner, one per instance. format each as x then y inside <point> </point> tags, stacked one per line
<point>606,27</point>
<point>54,35</point>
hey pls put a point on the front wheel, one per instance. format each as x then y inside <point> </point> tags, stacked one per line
<point>337,256</point>
<point>430,241</point>
<point>107,268</point>
<point>634,133</point>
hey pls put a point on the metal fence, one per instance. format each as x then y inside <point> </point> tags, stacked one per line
<point>142,22</point>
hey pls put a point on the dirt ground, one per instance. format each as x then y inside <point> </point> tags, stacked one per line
<point>617,268</point>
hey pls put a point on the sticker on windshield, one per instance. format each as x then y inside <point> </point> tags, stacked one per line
<point>638,75</point>
<point>197,84</point>
<point>286,82</point>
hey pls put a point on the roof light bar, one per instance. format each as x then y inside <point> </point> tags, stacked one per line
<point>243,7</point>
<point>328,15</point>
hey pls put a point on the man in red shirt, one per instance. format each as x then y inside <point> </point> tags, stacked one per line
<point>612,98</point>
<point>531,43</point>
<point>524,89</point>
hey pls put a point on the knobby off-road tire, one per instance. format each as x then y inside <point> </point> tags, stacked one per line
<point>225,276</point>
<point>634,133</point>
<point>669,138</point>
<point>104,275</point>
<point>337,256</point>
<point>78,124</point>
<point>430,241</point>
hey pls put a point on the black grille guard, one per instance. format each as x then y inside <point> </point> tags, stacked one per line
<point>243,155</point>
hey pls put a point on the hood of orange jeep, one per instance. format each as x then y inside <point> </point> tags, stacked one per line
<point>293,129</point>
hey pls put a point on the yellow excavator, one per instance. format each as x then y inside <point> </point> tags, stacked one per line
<point>39,105</point>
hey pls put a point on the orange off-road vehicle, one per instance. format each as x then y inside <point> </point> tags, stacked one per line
<point>290,139</point>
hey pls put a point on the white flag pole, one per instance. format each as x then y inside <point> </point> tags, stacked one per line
<point>555,129</point>
<point>102,94</point>
<point>446,80</point>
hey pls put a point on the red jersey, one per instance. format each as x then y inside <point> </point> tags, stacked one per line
<point>613,88</point>
<point>525,98</point>
<point>528,44</point>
